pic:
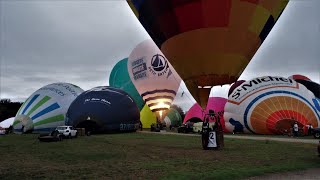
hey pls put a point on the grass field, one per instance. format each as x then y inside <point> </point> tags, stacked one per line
<point>147,156</point>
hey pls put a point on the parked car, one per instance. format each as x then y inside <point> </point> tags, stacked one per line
<point>67,131</point>
<point>185,128</point>
<point>316,133</point>
<point>53,136</point>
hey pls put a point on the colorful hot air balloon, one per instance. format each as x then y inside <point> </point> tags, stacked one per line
<point>208,42</point>
<point>270,105</point>
<point>46,108</point>
<point>119,78</point>
<point>153,76</point>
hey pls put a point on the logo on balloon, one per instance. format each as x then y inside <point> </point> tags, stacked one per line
<point>158,62</point>
<point>159,65</point>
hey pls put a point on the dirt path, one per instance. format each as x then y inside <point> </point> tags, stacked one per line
<point>309,174</point>
<point>262,138</point>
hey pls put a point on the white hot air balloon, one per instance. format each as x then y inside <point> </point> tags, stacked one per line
<point>46,108</point>
<point>270,105</point>
<point>153,76</point>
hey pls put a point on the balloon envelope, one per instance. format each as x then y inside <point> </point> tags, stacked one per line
<point>153,76</point>
<point>173,118</point>
<point>7,123</point>
<point>215,104</point>
<point>208,42</point>
<point>46,108</point>
<point>104,109</point>
<point>270,105</point>
<point>119,78</point>
<point>311,85</point>
<point>147,117</point>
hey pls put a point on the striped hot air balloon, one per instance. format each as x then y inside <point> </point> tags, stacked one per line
<point>270,105</point>
<point>46,108</point>
<point>153,76</point>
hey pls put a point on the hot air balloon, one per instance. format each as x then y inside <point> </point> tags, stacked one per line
<point>153,76</point>
<point>119,78</point>
<point>235,85</point>
<point>147,117</point>
<point>311,85</point>
<point>215,104</point>
<point>104,109</point>
<point>270,105</point>
<point>208,42</point>
<point>173,118</point>
<point>46,108</point>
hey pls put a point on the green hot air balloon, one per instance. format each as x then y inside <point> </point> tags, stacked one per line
<point>173,118</point>
<point>120,78</point>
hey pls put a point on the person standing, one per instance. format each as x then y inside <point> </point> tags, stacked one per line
<point>295,129</point>
<point>310,127</point>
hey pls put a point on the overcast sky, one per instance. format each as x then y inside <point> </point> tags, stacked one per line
<point>79,42</point>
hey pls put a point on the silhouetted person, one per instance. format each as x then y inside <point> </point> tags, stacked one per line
<point>238,127</point>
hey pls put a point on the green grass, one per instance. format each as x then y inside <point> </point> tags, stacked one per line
<point>147,156</point>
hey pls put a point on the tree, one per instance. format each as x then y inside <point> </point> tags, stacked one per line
<point>8,108</point>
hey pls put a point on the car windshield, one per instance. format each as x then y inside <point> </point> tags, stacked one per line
<point>61,128</point>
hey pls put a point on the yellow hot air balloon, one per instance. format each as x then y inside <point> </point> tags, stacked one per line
<point>208,42</point>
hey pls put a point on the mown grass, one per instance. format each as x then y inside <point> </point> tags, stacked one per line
<point>147,156</point>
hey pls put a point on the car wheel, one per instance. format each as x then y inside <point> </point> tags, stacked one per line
<point>69,136</point>
<point>317,135</point>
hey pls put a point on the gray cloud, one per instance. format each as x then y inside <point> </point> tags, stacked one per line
<point>64,41</point>
<point>43,42</point>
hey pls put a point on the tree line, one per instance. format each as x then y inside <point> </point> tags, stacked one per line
<point>8,108</point>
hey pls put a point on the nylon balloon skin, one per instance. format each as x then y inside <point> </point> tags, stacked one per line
<point>270,105</point>
<point>311,85</point>
<point>153,76</point>
<point>147,117</point>
<point>208,42</point>
<point>119,78</point>
<point>173,118</point>
<point>46,108</point>
<point>216,104</point>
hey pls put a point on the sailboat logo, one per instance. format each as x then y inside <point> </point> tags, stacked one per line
<point>158,62</point>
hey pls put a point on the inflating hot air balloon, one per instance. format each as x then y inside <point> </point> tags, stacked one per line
<point>153,76</point>
<point>173,118</point>
<point>147,117</point>
<point>312,86</point>
<point>104,109</point>
<point>270,105</point>
<point>119,78</point>
<point>46,108</point>
<point>208,42</point>
<point>215,104</point>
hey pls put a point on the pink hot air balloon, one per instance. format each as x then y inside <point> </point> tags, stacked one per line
<point>194,114</point>
<point>215,104</point>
